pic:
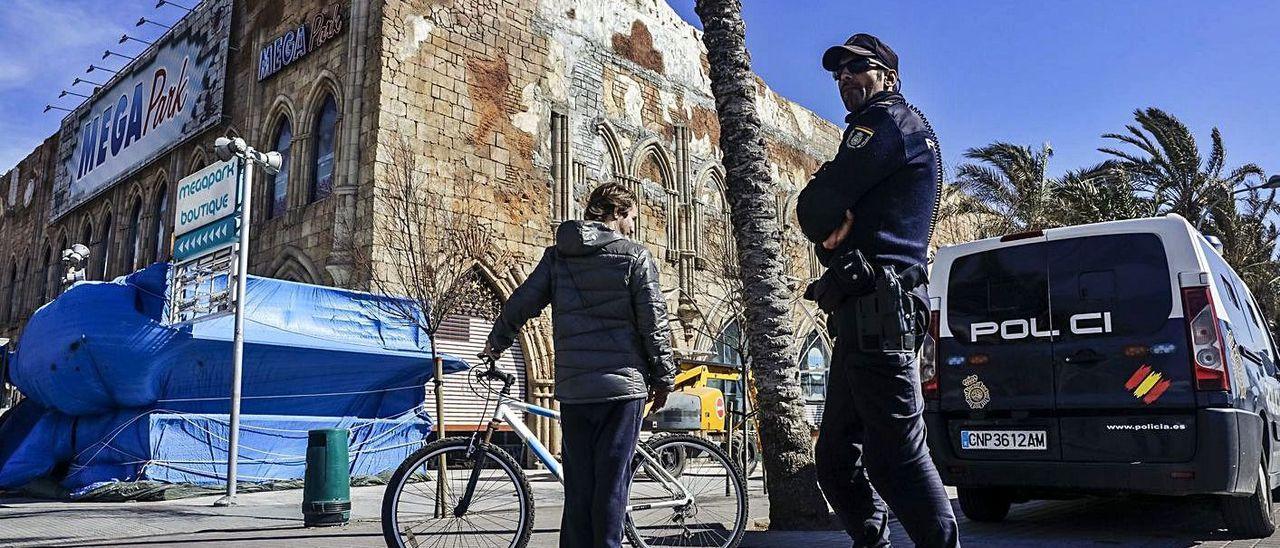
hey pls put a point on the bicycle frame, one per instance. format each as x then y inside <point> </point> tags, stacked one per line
<point>505,411</point>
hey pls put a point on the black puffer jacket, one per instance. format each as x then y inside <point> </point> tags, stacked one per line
<point>609,318</point>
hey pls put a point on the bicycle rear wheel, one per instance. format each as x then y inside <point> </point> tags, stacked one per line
<point>420,511</point>
<point>716,517</point>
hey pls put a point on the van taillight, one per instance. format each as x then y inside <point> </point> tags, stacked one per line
<point>1206,341</point>
<point>929,359</point>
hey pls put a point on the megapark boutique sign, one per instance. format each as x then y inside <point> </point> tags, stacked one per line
<point>169,94</point>
<point>205,219</point>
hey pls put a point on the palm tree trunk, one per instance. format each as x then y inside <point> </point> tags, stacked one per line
<point>794,499</point>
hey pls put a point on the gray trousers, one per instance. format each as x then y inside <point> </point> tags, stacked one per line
<point>871,444</point>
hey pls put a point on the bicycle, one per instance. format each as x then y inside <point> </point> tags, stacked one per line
<point>482,497</point>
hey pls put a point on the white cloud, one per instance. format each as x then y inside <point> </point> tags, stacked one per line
<point>13,74</point>
<point>47,42</point>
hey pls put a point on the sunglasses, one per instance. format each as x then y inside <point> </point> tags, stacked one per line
<point>856,66</point>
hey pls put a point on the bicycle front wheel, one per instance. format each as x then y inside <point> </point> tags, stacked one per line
<point>481,498</point>
<point>705,505</point>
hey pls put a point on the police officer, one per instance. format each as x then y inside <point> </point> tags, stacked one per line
<point>869,208</point>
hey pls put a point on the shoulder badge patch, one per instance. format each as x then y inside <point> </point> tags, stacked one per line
<point>859,137</point>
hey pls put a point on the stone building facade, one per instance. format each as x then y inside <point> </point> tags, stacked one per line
<point>520,105</point>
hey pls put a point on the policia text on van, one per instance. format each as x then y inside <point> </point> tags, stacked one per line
<point>1020,329</point>
<point>1108,358</point>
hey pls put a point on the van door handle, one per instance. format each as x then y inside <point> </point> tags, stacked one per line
<point>1084,356</point>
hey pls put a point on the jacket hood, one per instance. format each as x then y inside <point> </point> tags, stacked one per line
<point>575,238</point>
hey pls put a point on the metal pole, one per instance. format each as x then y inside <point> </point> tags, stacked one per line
<point>442,468</point>
<point>237,344</point>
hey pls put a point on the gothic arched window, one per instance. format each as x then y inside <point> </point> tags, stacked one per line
<point>108,241</point>
<point>160,219</point>
<point>322,152</point>
<point>815,362</point>
<point>279,186</point>
<point>133,249</point>
<point>727,348</point>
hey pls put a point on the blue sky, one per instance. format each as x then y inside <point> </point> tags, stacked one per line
<point>1055,71</point>
<point>45,45</point>
<point>1026,72</point>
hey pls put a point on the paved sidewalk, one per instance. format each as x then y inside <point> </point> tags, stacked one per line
<point>274,519</point>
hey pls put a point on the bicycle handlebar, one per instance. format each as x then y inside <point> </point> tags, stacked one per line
<point>494,373</point>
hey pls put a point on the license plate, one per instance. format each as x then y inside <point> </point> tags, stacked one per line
<point>1017,440</point>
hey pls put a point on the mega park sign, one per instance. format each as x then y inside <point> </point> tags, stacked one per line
<point>170,93</point>
<point>297,43</point>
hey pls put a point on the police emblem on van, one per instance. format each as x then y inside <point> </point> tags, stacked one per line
<point>975,392</point>
<point>1088,323</point>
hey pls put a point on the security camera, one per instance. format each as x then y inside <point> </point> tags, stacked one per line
<point>227,149</point>
<point>271,162</point>
<point>76,254</point>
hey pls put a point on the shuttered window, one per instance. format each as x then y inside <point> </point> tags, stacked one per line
<point>463,335</point>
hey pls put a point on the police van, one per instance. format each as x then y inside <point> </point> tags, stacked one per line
<point>1119,357</point>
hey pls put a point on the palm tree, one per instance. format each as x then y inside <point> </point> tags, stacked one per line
<point>795,501</point>
<point>1249,244</point>
<point>1012,184</point>
<point>1169,169</point>
<point>1098,193</point>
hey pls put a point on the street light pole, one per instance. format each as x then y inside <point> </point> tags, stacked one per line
<point>246,158</point>
<point>237,340</point>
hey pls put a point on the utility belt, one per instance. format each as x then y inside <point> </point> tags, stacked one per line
<point>889,317</point>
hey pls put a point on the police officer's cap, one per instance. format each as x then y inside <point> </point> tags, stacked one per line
<point>861,45</point>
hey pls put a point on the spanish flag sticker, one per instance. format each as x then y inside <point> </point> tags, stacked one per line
<point>859,137</point>
<point>1147,385</point>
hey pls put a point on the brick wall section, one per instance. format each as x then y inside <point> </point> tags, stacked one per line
<point>475,83</point>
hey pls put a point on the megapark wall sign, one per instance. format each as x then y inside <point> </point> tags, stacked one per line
<point>169,94</point>
<point>296,43</point>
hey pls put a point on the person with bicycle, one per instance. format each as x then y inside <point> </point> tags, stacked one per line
<point>612,353</point>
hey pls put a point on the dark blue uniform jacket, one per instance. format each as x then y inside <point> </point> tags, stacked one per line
<point>886,173</point>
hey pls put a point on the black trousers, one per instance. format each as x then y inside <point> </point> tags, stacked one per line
<point>871,444</point>
<point>599,444</point>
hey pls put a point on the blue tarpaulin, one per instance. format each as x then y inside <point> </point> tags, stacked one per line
<point>114,394</point>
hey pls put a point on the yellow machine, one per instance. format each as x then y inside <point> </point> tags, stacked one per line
<point>704,394</point>
<point>708,402</point>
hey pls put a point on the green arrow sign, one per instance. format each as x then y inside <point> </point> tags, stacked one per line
<point>206,239</point>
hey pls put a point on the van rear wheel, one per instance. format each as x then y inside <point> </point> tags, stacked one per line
<point>984,503</point>
<point>1251,516</point>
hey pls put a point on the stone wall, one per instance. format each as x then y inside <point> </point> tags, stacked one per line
<point>523,107</point>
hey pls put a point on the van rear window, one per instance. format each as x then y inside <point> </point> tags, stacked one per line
<point>1005,284</point>
<point>1122,276</point>
<point>1105,284</point>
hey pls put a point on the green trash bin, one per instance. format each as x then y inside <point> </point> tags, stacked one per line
<point>326,490</point>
